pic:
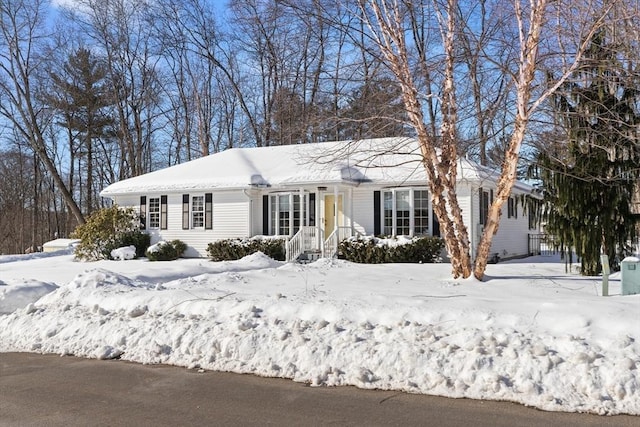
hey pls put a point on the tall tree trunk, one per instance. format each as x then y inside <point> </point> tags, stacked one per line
<point>441,168</point>
<point>527,67</point>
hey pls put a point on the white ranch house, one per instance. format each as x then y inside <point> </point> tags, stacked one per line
<point>314,195</point>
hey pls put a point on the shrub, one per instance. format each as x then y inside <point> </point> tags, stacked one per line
<point>373,250</point>
<point>108,229</point>
<point>233,249</point>
<point>137,238</point>
<point>166,251</point>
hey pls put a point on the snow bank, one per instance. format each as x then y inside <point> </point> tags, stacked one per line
<point>530,334</point>
<point>14,296</point>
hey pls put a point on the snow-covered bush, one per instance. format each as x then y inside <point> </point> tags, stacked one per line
<point>374,250</point>
<point>124,253</point>
<point>106,230</point>
<point>166,251</point>
<point>233,249</point>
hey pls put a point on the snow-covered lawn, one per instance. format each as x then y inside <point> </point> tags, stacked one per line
<point>530,333</point>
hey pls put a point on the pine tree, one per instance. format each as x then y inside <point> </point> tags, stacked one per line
<point>81,94</point>
<point>589,176</point>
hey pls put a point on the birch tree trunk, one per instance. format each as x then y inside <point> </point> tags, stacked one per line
<point>385,21</point>
<point>529,32</point>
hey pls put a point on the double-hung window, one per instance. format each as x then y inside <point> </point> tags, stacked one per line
<point>154,212</point>
<point>197,212</point>
<point>421,212</point>
<point>405,212</point>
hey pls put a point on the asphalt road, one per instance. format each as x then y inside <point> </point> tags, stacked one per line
<point>48,390</point>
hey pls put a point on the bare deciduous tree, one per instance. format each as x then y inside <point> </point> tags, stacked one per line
<point>22,34</point>
<point>388,22</point>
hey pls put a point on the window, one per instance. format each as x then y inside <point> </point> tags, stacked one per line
<point>421,212</point>
<point>284,214</point>
<point>287,213</point>
<point>405,212</point>
<point>154,212</point>
<point>388,213</point>
<point>197,212</point>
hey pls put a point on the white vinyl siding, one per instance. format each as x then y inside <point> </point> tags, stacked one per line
<point>363,210</point>
<point>231,218</point>
<point>511,240</point>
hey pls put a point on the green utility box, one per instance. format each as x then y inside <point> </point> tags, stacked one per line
<point>630,269</point>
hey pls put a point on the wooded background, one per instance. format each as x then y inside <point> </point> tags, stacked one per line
<point>94,91</point>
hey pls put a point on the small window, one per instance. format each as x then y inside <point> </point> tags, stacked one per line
<point>421,212</point>
<point>403,213</point>
<point>197,212</point>
<point>154,212</point>
<point>387,228</point>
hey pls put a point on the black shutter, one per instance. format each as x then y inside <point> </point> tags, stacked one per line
<point>265,215</point>
<point>185,211</point>
<point>435,223</point>
<point>163,212</point>
<point>143,212</point>
<point>208,211</point>
<point>377,229</point>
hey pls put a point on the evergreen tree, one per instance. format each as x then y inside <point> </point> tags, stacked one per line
<point>81,95</point>
<point>590,173</point>
<point>374,110</point>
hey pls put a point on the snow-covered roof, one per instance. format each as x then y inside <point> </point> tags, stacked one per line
<point>384,161</point>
